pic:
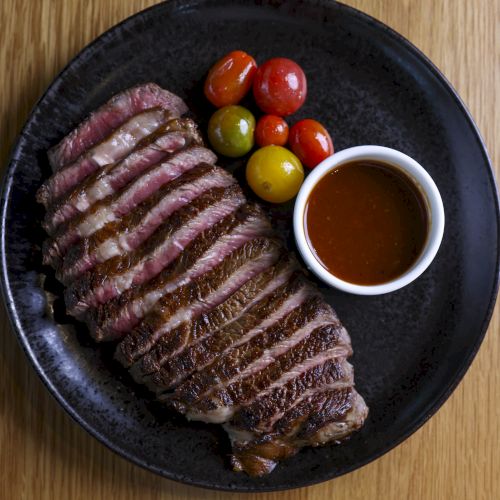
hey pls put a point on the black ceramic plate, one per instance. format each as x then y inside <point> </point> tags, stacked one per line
<point>368,86</point>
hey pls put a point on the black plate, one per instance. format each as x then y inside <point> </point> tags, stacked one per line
<point>368,86</point>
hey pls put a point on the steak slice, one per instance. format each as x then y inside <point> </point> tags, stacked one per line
<point>189,333</point>
<point>324,415</point>
<point>310,311</point>
<point>126,234</point>
<point>270,405</point>
<point>122,202</point>
<point>199,296</point>
<point>323,342</point>
<point>256,319</point>
<point>113,148</point>
<point>168,138</point>
<point>326,427</point>
<point>208,249</point>
<point>111,115</point>
<point>112,277</point>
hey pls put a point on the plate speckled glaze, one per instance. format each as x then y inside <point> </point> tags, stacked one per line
<point>368,86</point>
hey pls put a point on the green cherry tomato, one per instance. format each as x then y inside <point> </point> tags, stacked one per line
<point>231,131</point>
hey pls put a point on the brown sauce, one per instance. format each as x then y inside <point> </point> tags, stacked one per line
<point>366,222</point>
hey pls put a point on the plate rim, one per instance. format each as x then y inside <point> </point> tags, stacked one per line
<point>7,182</point>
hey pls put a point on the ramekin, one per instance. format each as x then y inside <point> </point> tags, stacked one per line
<point>422,180</point>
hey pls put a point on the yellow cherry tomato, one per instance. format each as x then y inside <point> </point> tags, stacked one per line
<point>274,173</point>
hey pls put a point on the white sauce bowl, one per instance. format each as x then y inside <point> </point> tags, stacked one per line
<point>426,186</point>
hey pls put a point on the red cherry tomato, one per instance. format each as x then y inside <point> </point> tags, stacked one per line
<point>279,87</point>
<point>230,78</point>
<point>311,142</point>
<point>271,130</point>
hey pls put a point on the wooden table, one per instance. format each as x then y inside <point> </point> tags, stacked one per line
<point>44,454</point>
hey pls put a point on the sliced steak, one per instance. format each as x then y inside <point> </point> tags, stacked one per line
<point>304,417</point>
<point>256,319</point>
<point>323,368</point>
<point>122,202</point>
<point>111,115</point>
<point>259,418</point>
<point>199,296</point>
<point>261,457</point>
<point>126,234</point>
<point>310,311</point>
<point>325,342</point>
<point>168,138</point>
<point>189,333</point>
<point>328,414</point>
<point>324,428</point>
<point>112,277</point>
<point>208,249</point>
<point>115,147</point>
<point>161,251</point>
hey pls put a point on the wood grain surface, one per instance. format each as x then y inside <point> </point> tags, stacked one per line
<point>44,454</point>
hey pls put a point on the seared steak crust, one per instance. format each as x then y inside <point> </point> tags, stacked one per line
<point>226,400</point>
<point>236,360</point>
<point>331,414</point>
<point>222,281</point>
<point>263,412</point>
<point>190,333</point>
<point>199,355</point>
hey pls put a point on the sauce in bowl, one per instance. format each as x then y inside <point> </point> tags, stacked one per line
<point>366,222</point>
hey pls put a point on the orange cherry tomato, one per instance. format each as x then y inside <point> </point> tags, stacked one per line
<point>280,86</point>
<point>230,78</point>
<point>270,130</point>
<point>311,142</point>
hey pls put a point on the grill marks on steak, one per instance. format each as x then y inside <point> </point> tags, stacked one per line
<point>316,349</point>
<point>264,411</point>
<point>168,138</point>
<point>306,312</point>
<point>115,147</point>
<point>326,415</point>
<point>256,319</point>
<point>310,410</point>
<point>112,277</point>
<point>162,252</point>
<point>111,115</point>
<point>208,249</point>
<point>122,202</point>
<point>126,234</point>
<point>199,296</point>
<point>189,333</point>
<point>328,405</point>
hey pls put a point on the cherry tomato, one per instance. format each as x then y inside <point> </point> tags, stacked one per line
<point>270,130</point>
<point>274,173</point>
<point>311,142</point>
<point>231,131</point>
<point>230,78</point>
<point>279,87</point>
